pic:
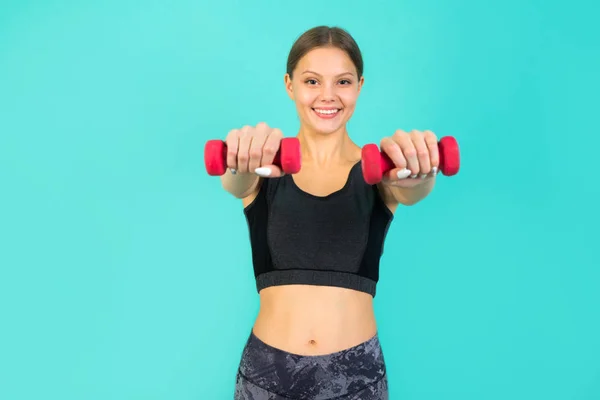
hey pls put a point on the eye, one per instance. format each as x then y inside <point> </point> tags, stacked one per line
<point>311,81</point>
<point>347,81</point>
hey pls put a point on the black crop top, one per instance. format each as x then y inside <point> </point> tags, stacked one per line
<point>334,240</point>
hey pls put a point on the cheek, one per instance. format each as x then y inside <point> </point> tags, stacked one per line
<point>305,97</point>
<point>349,99</point>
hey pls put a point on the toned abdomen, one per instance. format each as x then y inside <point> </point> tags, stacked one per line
<point>314,320</point>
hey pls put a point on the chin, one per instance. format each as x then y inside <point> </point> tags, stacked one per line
<point>325,126</point>
<point>323,129</point>
<point>327,130</point>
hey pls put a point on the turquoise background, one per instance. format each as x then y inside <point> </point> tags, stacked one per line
<point>125,269</point>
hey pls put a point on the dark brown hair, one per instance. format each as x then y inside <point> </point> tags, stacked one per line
<point>325,36</point>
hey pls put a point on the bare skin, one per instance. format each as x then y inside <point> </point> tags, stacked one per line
<point>312,320</point>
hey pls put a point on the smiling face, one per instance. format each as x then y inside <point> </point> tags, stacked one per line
<point>325,88</point>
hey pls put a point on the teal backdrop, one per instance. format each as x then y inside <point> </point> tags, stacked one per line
<point>125,270</point>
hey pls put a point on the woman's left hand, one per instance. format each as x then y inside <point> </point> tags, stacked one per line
<point>415,156</point>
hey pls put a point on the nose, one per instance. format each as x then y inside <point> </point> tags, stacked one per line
<point>328,92</point>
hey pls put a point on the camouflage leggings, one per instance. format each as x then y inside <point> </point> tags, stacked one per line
<point>267,373</point>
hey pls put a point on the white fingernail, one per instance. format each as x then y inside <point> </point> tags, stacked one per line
<point>233,171</point>
<point>423,176</point>
<point>403,173</point>
<point>413,176</point>
<point>264,172</point>
<point>434,171</point>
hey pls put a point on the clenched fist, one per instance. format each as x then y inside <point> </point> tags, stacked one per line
<point>415,155</point>
<point>253,149</point>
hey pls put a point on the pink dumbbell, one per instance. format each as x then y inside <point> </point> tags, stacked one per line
<point>376,163</point>
<point>288,158</point>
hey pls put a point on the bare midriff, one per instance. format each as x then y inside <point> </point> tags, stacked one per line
<point>314,320</point>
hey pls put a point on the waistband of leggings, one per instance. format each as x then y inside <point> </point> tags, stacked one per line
<point>255,342</point>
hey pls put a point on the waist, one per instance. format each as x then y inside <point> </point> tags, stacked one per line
<point>314,320</point>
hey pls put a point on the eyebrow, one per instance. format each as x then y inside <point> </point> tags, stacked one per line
<point>313,72</point>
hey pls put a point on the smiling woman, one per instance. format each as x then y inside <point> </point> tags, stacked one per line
<point>317,235</point>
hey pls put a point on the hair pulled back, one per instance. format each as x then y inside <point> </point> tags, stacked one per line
<point>325,36</point>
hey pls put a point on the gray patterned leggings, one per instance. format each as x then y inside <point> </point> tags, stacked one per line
<point>267,373</point>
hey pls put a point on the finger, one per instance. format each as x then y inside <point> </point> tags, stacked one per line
<point>256,146</point>
<point>418,140</point>
<point>232,143</point>
<point>394,152</point>
<point>434,151</point>
<point>243,154</point>
<point>269,150</point>
<point>409,151</point>
<point>271,147</point>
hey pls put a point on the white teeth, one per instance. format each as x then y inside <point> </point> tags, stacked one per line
<point>326,111</point>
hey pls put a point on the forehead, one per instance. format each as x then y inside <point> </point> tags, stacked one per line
<point>326,61</point>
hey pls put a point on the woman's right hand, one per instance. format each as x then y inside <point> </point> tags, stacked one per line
<point>253,149</point>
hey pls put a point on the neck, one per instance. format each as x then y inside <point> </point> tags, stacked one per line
<point>324,149</point>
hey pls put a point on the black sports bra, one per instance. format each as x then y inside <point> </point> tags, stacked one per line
<point>334,240</point>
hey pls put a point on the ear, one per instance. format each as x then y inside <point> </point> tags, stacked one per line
<point>288,86</point>
<point>361,82</point>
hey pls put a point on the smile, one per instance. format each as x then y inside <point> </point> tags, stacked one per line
<point>326,113</point>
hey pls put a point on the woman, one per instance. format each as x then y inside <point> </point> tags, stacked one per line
<point>317,236</point>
